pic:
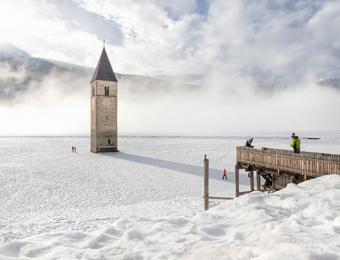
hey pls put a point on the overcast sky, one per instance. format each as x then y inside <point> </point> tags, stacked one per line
<point>239,45</point>
<point>264,38</point>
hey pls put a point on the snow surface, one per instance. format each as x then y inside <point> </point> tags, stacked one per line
<point>146,202</point>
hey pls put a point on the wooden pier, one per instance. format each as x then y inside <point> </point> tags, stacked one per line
<point>280,167</point>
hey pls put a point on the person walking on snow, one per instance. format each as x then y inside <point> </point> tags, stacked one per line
<point>296,143</point>
<point>224,174</point>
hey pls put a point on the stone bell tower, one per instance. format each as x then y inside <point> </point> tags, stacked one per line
<point>104,107</point>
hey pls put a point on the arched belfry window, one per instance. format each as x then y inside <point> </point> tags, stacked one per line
<point>106,91</point>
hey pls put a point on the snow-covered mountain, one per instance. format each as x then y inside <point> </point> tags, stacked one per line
<point>333,82</point>
<point>10,51</point>
<point>20,73</point>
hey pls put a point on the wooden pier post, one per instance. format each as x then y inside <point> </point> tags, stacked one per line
<point>206,182</point>
<point>251,180</point>
<point>258,180</point>
<point>237,180</point>
<point>272,188</point>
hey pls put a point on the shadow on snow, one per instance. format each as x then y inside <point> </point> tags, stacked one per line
<point>175,166</point>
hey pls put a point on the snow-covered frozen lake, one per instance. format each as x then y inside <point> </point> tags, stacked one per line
<point>47,191</point>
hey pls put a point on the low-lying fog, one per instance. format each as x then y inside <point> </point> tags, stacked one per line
<point>222,105</point>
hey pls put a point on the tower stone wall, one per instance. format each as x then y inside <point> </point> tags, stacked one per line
<point>104,108</point>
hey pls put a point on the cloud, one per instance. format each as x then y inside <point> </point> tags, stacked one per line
<point>49,106</point>
<point>154,40</point>
<point>272,43</point>
<point>8,73</point>
<point>306,109</point>
<point>38,28</point>
<point>260,59</point>
<point>276,43</point>
<point>92,23</point>
<point>54,106</point>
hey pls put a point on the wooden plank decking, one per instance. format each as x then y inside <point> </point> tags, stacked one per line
<point>280,166</point>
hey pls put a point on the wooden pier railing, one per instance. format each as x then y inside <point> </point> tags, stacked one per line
<point>280,166</point>
<point>304,163</point>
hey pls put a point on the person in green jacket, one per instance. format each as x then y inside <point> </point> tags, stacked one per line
<point>296,143</point>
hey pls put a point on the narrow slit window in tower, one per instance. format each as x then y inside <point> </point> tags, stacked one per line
<point>106,91</point>
<point>109,141</point>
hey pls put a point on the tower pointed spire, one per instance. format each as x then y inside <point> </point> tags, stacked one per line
<point>104,70</point>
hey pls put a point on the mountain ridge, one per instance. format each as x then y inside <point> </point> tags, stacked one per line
<point>21,72</point>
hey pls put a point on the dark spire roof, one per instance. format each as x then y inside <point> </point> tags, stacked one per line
<point>104,70</point>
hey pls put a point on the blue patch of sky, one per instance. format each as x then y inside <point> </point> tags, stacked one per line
<point>299,12</point>
<point>309,8</point>
<point>202,7</point>
<point>89,22</point>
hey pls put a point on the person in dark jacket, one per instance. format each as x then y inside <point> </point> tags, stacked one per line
<point>268,182</point>
<point>249,143</point>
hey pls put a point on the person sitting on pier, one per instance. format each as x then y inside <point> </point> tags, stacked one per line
<point>296,143</point>
<point>248,143</point>
<point>268,182</point>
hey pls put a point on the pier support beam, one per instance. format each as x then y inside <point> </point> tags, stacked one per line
<point>258,180</point>
<point>272,188</point>
<point>237,180</point>
<point>251,176</point>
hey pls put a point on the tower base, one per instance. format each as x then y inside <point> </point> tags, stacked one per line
<point>106,149</point>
